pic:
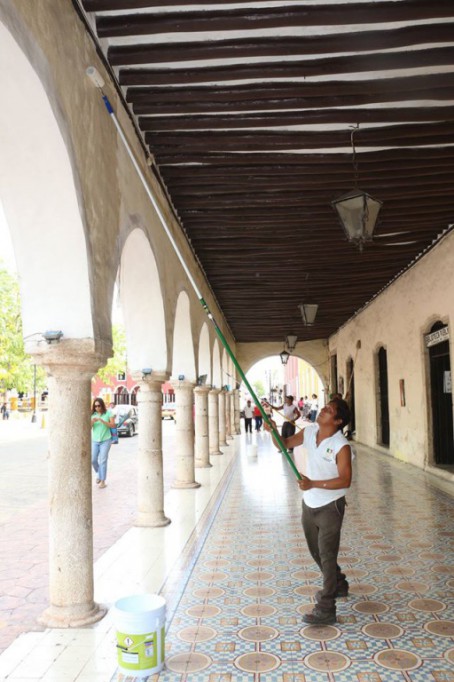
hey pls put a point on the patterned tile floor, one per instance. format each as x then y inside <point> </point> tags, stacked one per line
<point>236,599</point>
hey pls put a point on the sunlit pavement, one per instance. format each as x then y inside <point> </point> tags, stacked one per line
<point>24,516</point>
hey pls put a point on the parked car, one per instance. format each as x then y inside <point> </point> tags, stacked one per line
<point>168,411</point>
<point>127,420</point>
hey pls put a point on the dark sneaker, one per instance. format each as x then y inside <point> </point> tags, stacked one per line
<point>319,617</point>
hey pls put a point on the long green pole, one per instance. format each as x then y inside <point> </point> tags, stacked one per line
<point>218,331</point>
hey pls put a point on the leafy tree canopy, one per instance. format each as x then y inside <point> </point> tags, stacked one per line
<point>16,367</point>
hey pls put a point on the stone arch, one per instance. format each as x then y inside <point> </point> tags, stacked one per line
<point>217,373</point>
<point>142,305</point>
<point>183,361</point>
<point>204,360</point>
<point>39,193</point>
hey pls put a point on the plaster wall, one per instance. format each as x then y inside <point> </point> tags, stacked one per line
<point>111,199</point>
<point>313,352</point>
<point>398,319</point>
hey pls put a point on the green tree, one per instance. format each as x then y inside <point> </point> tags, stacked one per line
<point>258,388</point>
<point>117,363</point>
<point>16,367</point>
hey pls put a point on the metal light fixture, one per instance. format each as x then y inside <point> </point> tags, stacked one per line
<point>308,313</point>
<point>181,377</point>
<point>52,336</point>
<point>202,379</point>
<point>291,341</point>
<point>284,356</point>
<point>146,372</point>
<point>357,210</point>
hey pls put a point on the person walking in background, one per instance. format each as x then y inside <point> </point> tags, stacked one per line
<point>4,410</point>
<point>114,412</point>
<point>248,414</point>
<point>258,418</point>
<point>314,408</point>
<point>102,421</point>
<point>291,414</point>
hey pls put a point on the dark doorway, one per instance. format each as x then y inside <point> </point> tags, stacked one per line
<point>441,397</point>
<point>383,396</point>
<point>334,388</point>
<point>350,394</point>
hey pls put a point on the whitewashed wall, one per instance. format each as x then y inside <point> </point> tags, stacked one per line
<point>398,319</point>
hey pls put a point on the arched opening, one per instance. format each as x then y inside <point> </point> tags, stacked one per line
<point>38,191</point>
<point>383,430</point>
<point>204,361</point>
<point>142,305</point>
<point>437,342</point>
<point>183,362</point>
<point>121,396</point>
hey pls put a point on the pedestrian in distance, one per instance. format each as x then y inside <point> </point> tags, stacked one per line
<point>314,408</point>
<point>258,418</point>
<point>248,414</point>
<point>4,410</point>
<point>324,485</point>
<point>113,410</point>
<point>291,414</point>
<point>102,421</point>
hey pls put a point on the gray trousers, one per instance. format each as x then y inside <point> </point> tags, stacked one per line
<point>322,528</point>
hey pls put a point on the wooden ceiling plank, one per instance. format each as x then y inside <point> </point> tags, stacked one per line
<point>360,41</point>
<point>255,18</point>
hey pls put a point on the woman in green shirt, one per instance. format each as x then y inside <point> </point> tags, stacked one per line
<point>102,420</point>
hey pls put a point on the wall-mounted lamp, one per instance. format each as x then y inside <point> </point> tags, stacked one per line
<point>357,210</point>
<point>284,357</point>
<point>202,379</point>
<point>181,377</point>
<point>291,341</point>
<point>308,313</point>
<point>52,336</point>
<point>146,372</point>
<point>226,387</point>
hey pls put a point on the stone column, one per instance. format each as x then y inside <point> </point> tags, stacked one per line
<point>71,365</point>
<point>184,446</point>
<point>222,429</point>
<point>202,453</point>
<point>150,500</point>
<point>232,413</point>
<point>213,422</point>
<point>228,426</point>
<point>237,410</point>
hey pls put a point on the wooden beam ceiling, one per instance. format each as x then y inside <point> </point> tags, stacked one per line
<point>247,110</point>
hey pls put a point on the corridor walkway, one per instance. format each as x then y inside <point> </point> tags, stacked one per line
<point>237,577</point>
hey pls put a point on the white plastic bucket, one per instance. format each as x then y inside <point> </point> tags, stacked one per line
<point>140,624</point>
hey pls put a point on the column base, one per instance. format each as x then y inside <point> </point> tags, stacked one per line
<point>202,465</point>
<point>185,484</point>
<point>215,454</point>
<point>145,520</point>
<point>71,616</point>
<point>223,443</point>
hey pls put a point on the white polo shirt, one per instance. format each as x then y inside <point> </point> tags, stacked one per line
<point>322,465</point>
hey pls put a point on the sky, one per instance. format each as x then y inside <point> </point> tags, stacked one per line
<point>6,246</point>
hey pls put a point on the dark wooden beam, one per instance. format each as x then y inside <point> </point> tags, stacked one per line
<point>360,41</point>
<point>254,18</point>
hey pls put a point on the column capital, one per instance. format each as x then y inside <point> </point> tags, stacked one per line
<point>150,382</point>
<point>215,391</point>
<point>202,390</point>
<point>183,385</point>
<point>70,357</point>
